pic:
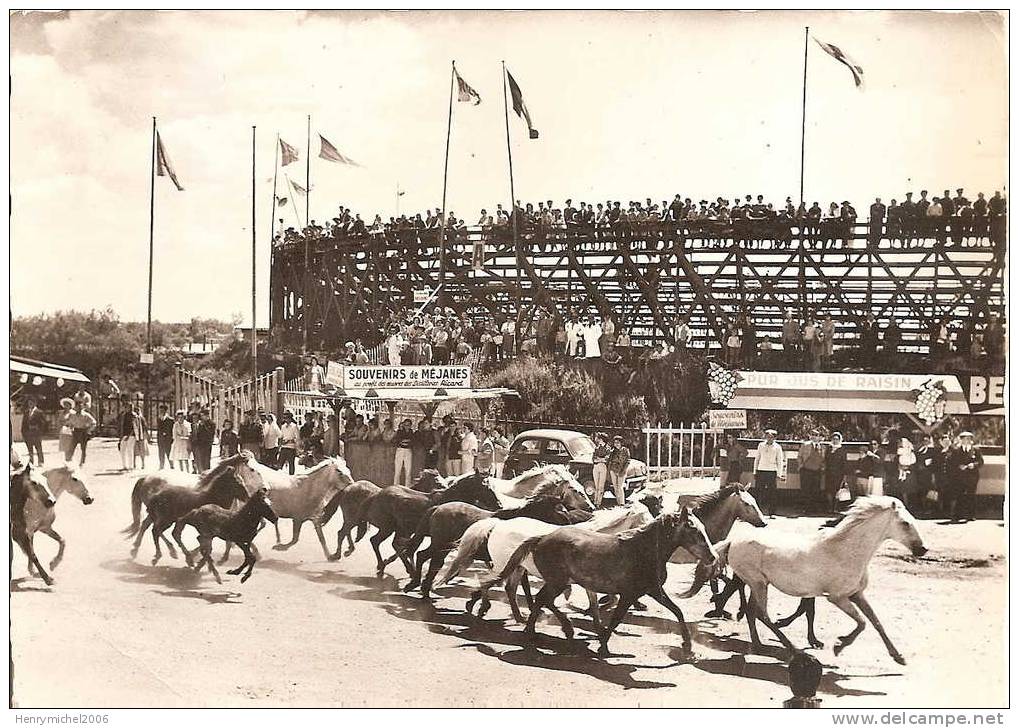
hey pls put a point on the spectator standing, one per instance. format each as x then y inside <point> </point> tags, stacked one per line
<point>270,441</point>
<point>868,341</point>
<point>966,462</point>
<point>33,427</point>
<point>877,220</point>
<point>681,334</point>
<point>600,467</point>
<point>836,472</point>
<point>924,471</point>
<point>290,436</point>
<point>501,450</point>
<point>735,458</point>
<point>592,334</point>
<point>944,479</point>
<point>403,440</point>
<point>892,339</point>
<point>811,345</point>
<point>82,424</point>
<point>811,466</point>
<point>63,418</point>
<point>127,438</point>
<point>251,435</point>
<point>869,470</point>
<point>769,466</point>
<point>454,451</point>
<point>486,453</point>
<point>509,336</point>
<point>164,436</point>
<point>468,449</point>
<point>181,448</point>
<point>618,462</point>
<point>229,441</point>
<point>316,375</point>
<point>204,438</point>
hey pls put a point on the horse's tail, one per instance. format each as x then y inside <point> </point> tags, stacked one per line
<point>522,552</point>
<point>136,507</point>
<point>420,531</point>
<point>704,571</point>
<point>472,540</point>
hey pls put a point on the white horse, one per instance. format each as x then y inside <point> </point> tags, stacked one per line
<point>515,492</point>
<point>502,538</point>
<point>832,564</point>
<point>304,496</point>
<point>62,479</point>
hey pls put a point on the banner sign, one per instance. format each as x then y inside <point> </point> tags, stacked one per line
<point>985,394</point>
<point>734,419</point>
<point>334,374</point>
<point>844,392</point>
<point>421,295</point>
<point>403,377</point>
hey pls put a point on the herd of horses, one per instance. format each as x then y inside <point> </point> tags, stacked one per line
<point>539,525</point>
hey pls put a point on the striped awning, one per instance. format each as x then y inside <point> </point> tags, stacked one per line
<point>33,368</point>
<point>842,392</point>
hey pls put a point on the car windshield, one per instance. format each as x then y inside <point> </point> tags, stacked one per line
<point>580,446</point>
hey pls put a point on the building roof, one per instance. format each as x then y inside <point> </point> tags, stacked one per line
<point>34,367</point>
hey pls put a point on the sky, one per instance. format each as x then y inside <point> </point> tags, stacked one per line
<point>629,105</point>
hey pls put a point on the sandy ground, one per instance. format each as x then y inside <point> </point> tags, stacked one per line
<point>306,632</point>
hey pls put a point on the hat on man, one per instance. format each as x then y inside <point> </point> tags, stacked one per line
<point>770,431</point>
<point>617,438</point>
<point>966,433</point>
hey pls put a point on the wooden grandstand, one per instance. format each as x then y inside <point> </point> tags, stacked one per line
<point>345,287</point>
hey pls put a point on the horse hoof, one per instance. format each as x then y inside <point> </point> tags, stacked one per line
<point>280,547</point>
<point>173,554</point>
<point>334,557</point>
<point>155,560</point>
<point>603,650</point>
<point>899,659</point>
<point>245,578</point>
<point>816,644</point>
<point>348,552</point>
<point>410,587</point>
<point>54,564</point>
<point>134,553</point>
<point>234,572</point>
<point>718,614</point>
<point>838,647</point>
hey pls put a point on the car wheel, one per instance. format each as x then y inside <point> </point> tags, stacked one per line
<point>589,488</point>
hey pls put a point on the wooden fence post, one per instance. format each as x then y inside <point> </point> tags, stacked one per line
<point>277,398</point>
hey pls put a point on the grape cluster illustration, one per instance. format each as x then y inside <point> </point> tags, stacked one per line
<point>722,384</point>
<point>930,401</point>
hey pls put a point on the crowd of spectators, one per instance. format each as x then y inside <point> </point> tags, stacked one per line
<point>748,220</point>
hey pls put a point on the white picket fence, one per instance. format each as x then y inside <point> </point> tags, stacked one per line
<point>687,451</point>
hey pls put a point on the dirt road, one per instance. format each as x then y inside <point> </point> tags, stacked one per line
<point>306,632</point>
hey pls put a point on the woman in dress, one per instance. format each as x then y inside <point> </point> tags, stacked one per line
<point>141,438</point>
<point>180,450</point>
<point>66,439</point>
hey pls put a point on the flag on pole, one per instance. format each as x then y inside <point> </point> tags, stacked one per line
<point>297,188</point>
<point>290,154</point>
<point>519,107</point>
<point>281,201</point>
<point>464,93</point>
<point>163,166</point>
<point>839,55</point>
<point>332,154</point>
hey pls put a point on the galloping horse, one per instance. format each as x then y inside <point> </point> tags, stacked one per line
<point>831,564</point>
<point>396,510</point>
<point>629,564</point>
<point>503,537</point>
<point>303,497</point>
<point>28,484</point>
<point>148,485</point>
<point>239,527</point>
<point>446,523</point>
<point>65,478</point>
<point>220,486</point>
<point>352,499</point>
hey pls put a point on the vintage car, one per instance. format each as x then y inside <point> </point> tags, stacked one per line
<point>566,447</point>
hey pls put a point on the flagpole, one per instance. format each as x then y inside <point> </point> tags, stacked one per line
<point>803,124</point>
<point>445,178</point>
<point>513,203</point>
<point>307,221</point>
<point>272,217</point>
<point>254,323</point>
<point>293,200</point>
<point>152,227</point>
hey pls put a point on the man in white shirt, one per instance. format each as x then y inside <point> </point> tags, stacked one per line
<point>468,449</point>
<point>682,334</point>
<point>769,466</point>
<point>290,435</point>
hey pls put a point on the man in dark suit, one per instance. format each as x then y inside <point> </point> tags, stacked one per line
<point>164,436</point>
<point>964,465</point>
<point>877,220</point>
<point>33,427</point>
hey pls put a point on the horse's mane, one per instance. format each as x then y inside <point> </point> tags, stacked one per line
<point>862,511</point>
<point>531,502</point>
<point>710,501</point>
<point>432,473</point>
<point>216,472</point>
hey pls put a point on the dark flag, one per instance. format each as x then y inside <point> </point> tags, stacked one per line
<point>163,166</point>
<point>519,106</point>
<point>839,55</point>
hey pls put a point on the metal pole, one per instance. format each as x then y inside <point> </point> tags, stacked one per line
<point>272,217</point>
<point>513,208</point>
<point>307,222</point>
<point>803,124</point>
<point>254,323</point>
<point>445,178</point>
<point>152,227</point>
